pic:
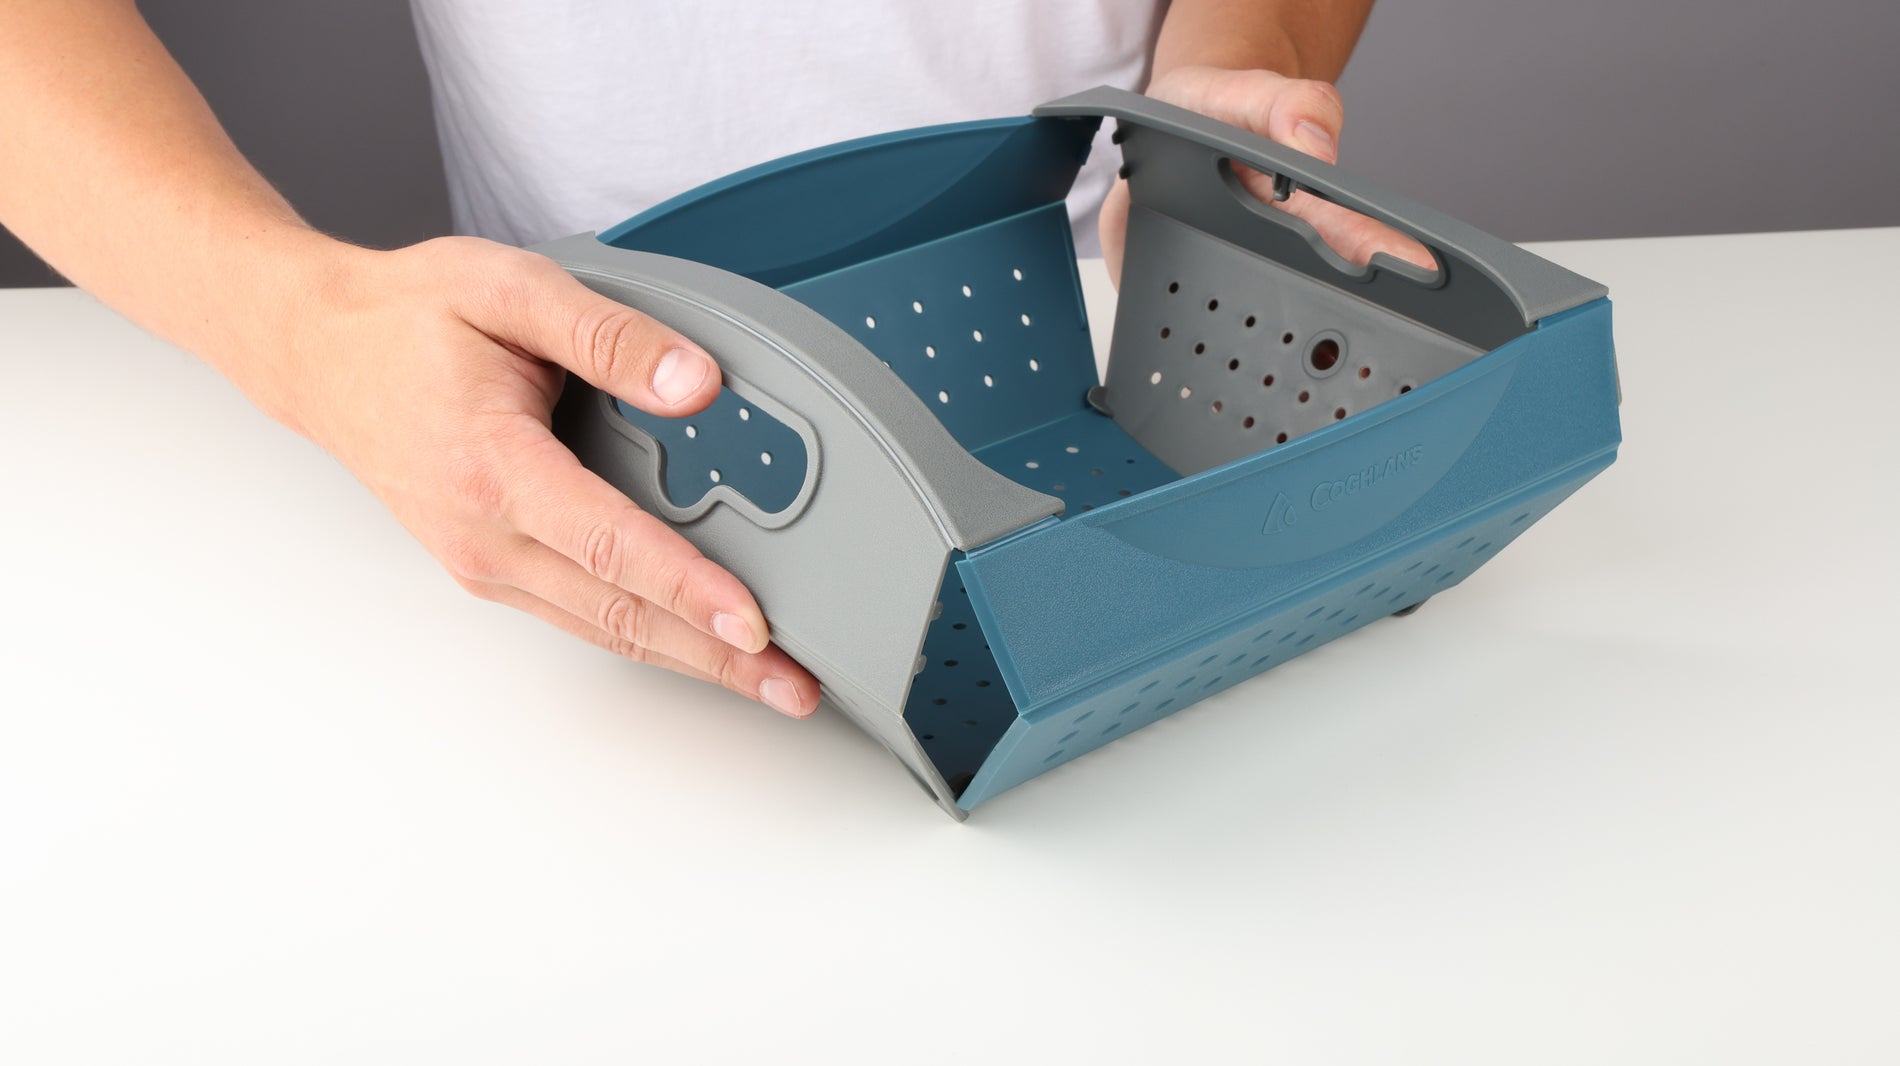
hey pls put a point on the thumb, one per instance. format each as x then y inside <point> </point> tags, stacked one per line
<point>542,310</point>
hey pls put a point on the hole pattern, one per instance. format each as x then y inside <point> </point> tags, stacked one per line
<point>1339,365</point>
<point>987,317</point>
<point>760,458</point>
<point>1085,459</point>
<point>1190,675</point>
<point>959,706</point>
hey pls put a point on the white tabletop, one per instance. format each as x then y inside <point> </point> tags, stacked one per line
<point>273,790</point>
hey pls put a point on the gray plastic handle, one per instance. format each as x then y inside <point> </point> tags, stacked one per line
<point>1486,290</point>
<point>888,488</point>
<point>794,357</point>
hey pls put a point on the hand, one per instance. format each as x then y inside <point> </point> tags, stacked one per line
<point>431,372</point>
<point>1300,114</point>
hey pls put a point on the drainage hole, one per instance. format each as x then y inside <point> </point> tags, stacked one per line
<point>1325,354</point>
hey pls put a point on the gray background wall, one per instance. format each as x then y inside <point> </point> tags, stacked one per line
<point>1537,119</point>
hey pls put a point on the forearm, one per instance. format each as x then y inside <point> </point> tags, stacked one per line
<point>1297,38</point>
<point>116,172</point>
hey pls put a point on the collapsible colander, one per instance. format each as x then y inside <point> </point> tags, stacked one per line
<point>1287,447</point>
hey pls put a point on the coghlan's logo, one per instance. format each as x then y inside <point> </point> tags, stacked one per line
<point>1282,513</point>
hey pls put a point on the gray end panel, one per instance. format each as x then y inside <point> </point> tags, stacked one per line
<point>1179,163</point>
<point>1218,351</point>
<point>886,488</point>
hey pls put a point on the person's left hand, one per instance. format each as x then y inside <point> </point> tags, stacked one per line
<point>1295,112</point>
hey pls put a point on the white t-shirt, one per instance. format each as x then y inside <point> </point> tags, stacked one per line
<point>563,116</point>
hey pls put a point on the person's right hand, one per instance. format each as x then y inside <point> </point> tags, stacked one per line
<point>432,371</point>
<point>1296,112</point>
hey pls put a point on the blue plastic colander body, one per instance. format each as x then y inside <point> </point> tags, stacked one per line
<point>1285,446</point>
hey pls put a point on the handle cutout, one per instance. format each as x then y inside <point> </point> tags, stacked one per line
<point>1234,176</point>
<point>734,445</point>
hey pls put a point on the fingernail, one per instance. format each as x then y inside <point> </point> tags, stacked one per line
<point>680,374</point>
<point>1315,141</point>
<point>782,696</point>
<point>734,631</point>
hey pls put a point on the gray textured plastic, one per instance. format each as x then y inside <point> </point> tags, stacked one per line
<point>1180,164</point>
<point>886,486</point>
<point>1220,353</point>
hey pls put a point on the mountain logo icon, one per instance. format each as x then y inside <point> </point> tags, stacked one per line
<point>1279,516</point>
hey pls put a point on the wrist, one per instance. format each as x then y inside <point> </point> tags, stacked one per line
<point>289,287</point>
<point>1264,45</point>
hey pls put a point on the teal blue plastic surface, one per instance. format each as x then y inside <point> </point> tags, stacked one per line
<point>947,253</point>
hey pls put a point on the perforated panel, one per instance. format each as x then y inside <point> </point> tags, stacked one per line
<point>986,327</point>
<point>958,706</point>
<point>1058,734</point>
<point>732,443</point>
<point>1220,354</point>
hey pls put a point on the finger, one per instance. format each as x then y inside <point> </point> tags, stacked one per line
<point>1113,227</point>
<point>1356,236</point>
<point>552,498</point>
<point>769,675</point>
<point>542,310</point>
<point>527,602</point>
<point>1304,114</point>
